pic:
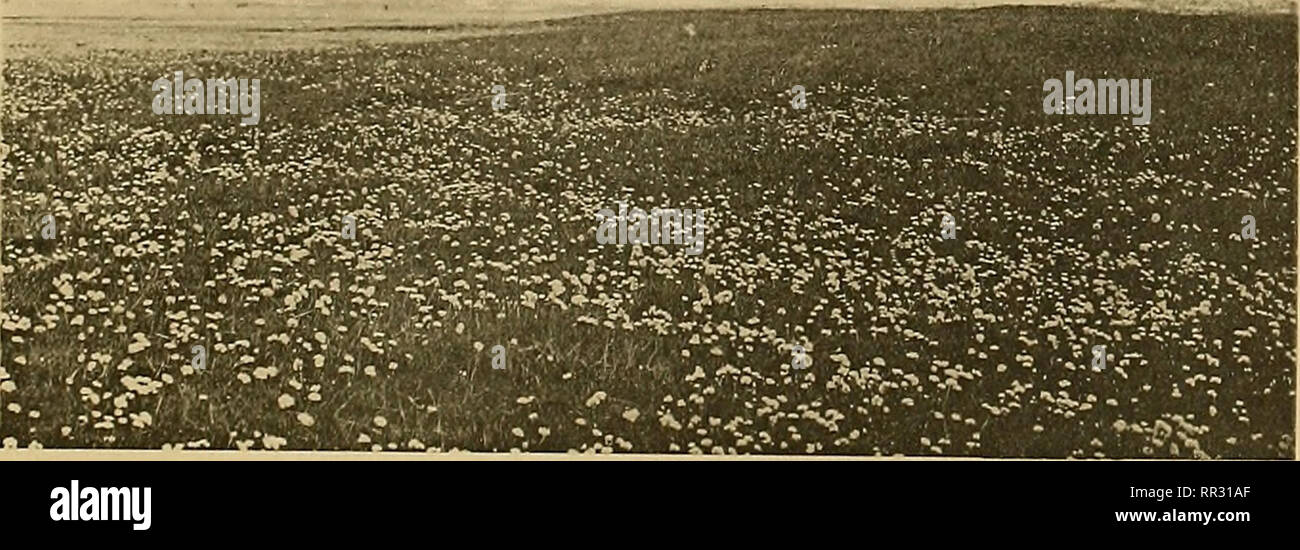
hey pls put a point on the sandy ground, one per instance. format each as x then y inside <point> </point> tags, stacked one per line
<point>45,27</point>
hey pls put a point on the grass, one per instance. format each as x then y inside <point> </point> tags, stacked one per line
<point>476,228</point>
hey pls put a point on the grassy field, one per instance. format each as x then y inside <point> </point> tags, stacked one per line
<point>476,228</point>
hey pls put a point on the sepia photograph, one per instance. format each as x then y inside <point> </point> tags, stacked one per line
<point>880,228</point>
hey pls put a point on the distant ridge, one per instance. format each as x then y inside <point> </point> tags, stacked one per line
<point>423,11</point>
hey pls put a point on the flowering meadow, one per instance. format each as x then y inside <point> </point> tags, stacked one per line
<point>179,238</point>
